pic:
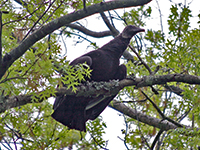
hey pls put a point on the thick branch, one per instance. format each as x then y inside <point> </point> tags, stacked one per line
<point>152,121</point>
<point>103,88</point>
<point>59,22</point>
<point>161,79</point>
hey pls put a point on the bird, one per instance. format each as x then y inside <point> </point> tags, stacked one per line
<point>104,62</point>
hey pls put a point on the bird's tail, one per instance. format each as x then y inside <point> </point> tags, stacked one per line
<point>74,111</point>
<point>96,106</point>
<point>70,111</point>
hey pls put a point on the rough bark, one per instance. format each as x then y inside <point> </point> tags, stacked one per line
<point>106,88</point>
<point>142,117</point>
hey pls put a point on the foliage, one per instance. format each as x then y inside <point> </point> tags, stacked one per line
<point>43,67</point>
<point>75,75</point>
<point>176,53</point>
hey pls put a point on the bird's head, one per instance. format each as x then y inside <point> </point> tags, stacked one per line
<point>130,30</point>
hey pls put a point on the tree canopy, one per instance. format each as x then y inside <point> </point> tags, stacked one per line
<point>159,99</point>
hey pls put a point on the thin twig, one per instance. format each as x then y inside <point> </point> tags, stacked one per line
<point>80,37</point>
<point>53,12</point>
<point>38,20</point>
<point>146,66</point>
<point>143,138</point>
<point>114,31</point>
<point>138,101</point>
<point>184,115</point>
<point>111,19</point>
<point>97,142</point>
<point>27,16</point>
<point>126,123</point>
<point>120,18</point>
<point>161,114</point>
<point>161,24</point>
<point>9,147</point>
<point>156,139</point>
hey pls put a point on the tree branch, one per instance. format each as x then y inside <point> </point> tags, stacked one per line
<point>113,30</point>
<point>138,56</point>
<point>178,91</point>
<point>156,139</point>
<point>102,88</point>
<point>161,79</point>
<point>89,32</point>
<point>163,125</point>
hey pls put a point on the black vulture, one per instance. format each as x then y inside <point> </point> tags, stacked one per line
<point>74,111</point>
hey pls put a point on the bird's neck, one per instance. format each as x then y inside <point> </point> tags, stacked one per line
<point>117,46</point>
